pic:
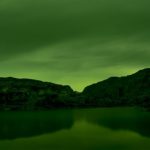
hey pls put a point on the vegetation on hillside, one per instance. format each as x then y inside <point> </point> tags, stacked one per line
<point>27,94</point>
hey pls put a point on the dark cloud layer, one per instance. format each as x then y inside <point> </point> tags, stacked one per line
<point>73,42</point>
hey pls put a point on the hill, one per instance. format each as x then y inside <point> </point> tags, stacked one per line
<point>28,94</point>
<point>121,91</point>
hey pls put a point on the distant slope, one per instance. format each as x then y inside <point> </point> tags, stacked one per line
<point>27,94</point>
<point>121,91</point>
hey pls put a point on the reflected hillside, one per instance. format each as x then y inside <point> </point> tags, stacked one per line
<point>118,119</point>
<point>26,124</point>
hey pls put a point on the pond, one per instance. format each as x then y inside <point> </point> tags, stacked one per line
<point>76,129</point>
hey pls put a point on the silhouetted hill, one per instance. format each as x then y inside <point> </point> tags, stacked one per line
<point>121,91</point>
<point>27,94</point>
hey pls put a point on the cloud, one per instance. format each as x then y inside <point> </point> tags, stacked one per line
<point>71,41</point>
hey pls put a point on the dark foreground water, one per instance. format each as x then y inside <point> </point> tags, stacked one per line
<point>79,129</point>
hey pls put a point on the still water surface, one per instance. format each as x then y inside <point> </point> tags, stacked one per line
<point>77,129</point>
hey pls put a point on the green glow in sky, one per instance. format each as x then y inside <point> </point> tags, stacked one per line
<point>74,42</point>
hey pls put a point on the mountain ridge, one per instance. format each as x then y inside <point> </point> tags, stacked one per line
<point>137,72</point>
<point>126,90</point>
<point>30,94</point>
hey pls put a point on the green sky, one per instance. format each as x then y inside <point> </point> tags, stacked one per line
<point>74,42</point>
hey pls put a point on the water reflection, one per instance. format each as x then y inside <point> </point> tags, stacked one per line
<point>119,119</point>
<point>25,124</point>
<point>88,129</point>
